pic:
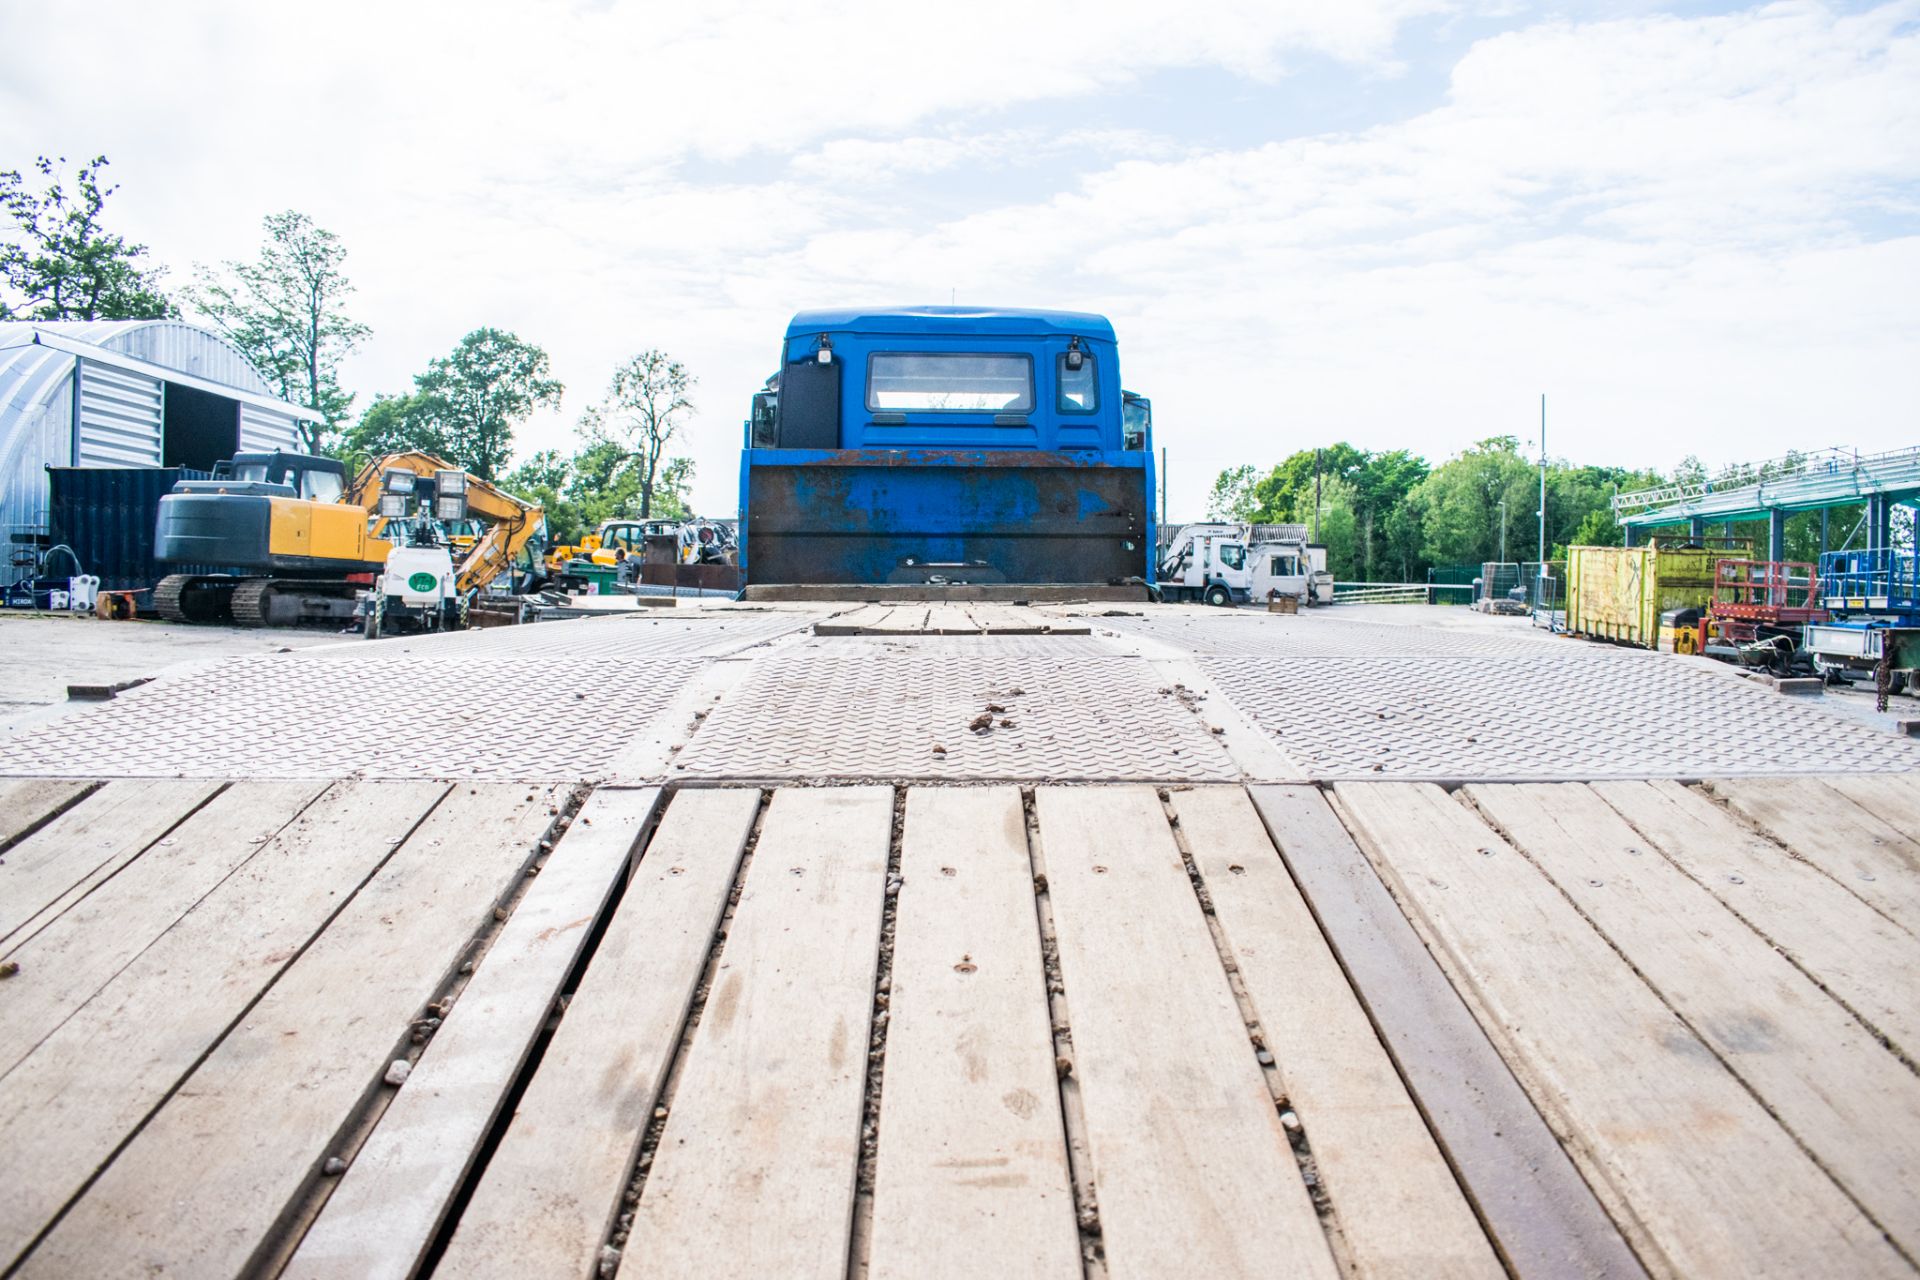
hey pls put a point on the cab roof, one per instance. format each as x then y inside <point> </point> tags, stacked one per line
<point>1020,321</point>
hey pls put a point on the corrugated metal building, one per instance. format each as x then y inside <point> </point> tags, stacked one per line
<point>124,393</point>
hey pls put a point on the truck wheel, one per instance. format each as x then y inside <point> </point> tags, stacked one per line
<point>1218,596</point>
<point>371,628</point>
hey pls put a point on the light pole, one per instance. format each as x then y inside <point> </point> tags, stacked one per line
<point>1542,513</point>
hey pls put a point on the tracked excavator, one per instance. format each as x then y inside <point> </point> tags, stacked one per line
<point>308,542</point>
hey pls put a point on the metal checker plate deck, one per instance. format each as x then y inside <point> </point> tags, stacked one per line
<point>1280,636</point>
<point>585,639</point>
<point>392,714</point>
<point>1077,717</point>
<point>1565,716</point>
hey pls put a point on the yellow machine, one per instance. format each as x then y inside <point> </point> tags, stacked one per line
<point>513,527</point>
<point>284,538</point>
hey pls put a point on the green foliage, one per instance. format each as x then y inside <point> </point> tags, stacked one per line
<point>1387,517</point>
<point>284,311</point>
<point>64,265</point>
<point>1232,497</point>
<point>464,407</point>
<point>641,413</point>
<point>1369,488</point>
<point>582,492</point>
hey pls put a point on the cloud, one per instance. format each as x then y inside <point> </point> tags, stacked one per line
<point>1698,233</point>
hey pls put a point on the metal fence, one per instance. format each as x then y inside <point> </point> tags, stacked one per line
<point>1524,588</point>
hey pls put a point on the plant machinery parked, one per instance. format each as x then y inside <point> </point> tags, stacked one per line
<point>947,446</point>
<point>307,541</point>
<point>1206,562</point>
<point>281,518</point>
<point>1873,599</point>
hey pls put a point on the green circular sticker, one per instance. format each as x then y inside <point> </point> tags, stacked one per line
<point>422,583</point>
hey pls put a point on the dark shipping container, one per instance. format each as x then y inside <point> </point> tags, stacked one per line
<point>107,515</point>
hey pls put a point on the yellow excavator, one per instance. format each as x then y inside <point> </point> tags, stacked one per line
<point>295,541</point>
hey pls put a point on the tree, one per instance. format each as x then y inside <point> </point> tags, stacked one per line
<point>395,424</point>
<point>672,491</point>
<point>640,414</point>
<point>284,311</point>
<point>65,265</point>
<point>1233,497</point>
<point>582,492</point>
<point>464,407</point>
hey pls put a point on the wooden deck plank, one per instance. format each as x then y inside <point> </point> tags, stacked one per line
<point>1194,1174</point>
<point>57,865</point>
<point>755,1171</point>
<point>549,1193</point>
<point>906,619</point>
<point>972,1167</point>
<point>65,964</point>
<point>856,622</point>
<point>1396,1200</point>
<point>1893,798</point>
<point>1864,959</point>
<point>69,1105</point>
<point>258,1117</point>
<point>951,620</point>
<point>1706,1181</point>
<point>383,1215</point>
<point>1533,1200</point>
<point>1863,852</point>
<point>1834,1086</point>
<point>27,802</point>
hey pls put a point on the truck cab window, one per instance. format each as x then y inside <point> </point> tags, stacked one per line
<point>1078,391</point>
<point>941,383</point>
<point>1233,555</point>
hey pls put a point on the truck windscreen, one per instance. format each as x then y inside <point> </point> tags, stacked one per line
<point>941,383</point>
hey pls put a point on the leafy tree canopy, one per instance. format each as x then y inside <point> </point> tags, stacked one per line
<point>464,407</point>
<point>642,411</point>
<point>285,310</point>
<point>64,264</point>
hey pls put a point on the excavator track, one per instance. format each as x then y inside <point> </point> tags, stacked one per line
<point>252,601</point>
<point>191,598</point>
<point>166,597</point>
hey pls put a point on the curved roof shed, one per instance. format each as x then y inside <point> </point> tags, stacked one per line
<point>125,393</point>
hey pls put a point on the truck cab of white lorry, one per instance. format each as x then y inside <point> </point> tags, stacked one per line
<point>1283,563</point>
<point>1206,563</point>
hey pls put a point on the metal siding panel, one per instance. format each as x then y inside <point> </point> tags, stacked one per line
<point>262,429</point>
<point>35,443</point>
<point>189,349</point>
<point>119,420</point>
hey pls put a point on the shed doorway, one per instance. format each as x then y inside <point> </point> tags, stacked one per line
<point>198,428</point>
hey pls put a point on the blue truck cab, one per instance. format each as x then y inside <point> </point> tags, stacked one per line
<point>947,446</point>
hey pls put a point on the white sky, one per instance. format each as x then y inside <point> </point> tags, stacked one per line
<point>1395,222</point>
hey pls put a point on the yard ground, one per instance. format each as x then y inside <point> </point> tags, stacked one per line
<point>948,940</point>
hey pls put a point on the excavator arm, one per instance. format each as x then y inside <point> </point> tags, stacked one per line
<point>512,523</point>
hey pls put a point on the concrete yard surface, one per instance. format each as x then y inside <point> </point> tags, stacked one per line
<point>829,940</point>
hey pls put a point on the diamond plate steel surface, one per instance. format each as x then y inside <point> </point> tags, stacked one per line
<point>882,714</point>
<point>1314,636</point>
<point>708,634</point>
<point>1603,713</point>
<point>390,714</point>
